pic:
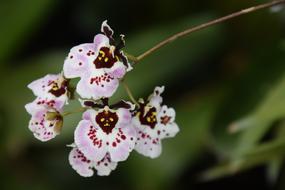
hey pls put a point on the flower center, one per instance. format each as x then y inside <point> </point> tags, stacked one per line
<point>148,118</point>
<point>107,120</point>
<point>106,58</point>
<point>57,90</point>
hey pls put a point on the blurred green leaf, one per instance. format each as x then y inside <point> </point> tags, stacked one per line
<point>258,123</point>
<point>261,154</point>
<point>17,27</point>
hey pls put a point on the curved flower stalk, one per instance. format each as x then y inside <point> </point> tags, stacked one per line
<point>100,65</point>
<point>153,123</point>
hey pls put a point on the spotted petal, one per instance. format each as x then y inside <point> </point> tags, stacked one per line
<point>121,143</point>
<point>97,85</point>
<point>42,128</point>
<point>118,70</point>
<point>79,60</point>
<point>41,87</point>
<point>90,140</point>
<point>121,139</point>
<point>105,166</point>
<point>148,144</point>
<point>50,90</point>
<point>80,163</point>
<point>166,126</point>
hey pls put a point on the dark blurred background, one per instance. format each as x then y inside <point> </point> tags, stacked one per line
<point>227,84</point>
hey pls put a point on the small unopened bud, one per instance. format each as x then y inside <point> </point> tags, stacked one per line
<point>52,115</point>
<point>58,125</point>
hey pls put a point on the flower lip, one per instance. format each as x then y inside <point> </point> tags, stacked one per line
<point>107,120</point>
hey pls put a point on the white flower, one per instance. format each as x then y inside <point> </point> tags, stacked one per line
<point>51,91</point>
<point>153,123</point>
<point>100,65</point>
<point>105,131</point>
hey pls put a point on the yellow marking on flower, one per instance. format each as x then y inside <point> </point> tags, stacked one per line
<point>102,53</point>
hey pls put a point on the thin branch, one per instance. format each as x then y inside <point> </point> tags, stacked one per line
<point>205,25</point>
<point>129,93</point>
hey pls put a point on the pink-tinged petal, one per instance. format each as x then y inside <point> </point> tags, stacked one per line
<point>42,128</point>
<point>80,163</point>
<point>169,130</point>
<point>90,140</point>
<point>125,118</point>
<point>56,103</point>
<point>100,40</point>
<point>32,108</point>
<point>89,115</point>
<point>105,166</point>
<point>84,90</point>
<point>40,87</point>
<point>51,91</point>
<point>166,115</point>
<point>97,86</point>
<point>118,70</point>
<point>148,145</point>
<point>121,142</point>
<point>79,60</point>
<point>155,99</point>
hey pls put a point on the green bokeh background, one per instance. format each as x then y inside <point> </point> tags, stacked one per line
<point>228,76</point>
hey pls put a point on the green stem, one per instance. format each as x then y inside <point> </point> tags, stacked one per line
<point>129,92</point>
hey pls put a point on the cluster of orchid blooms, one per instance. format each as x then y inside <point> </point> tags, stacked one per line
<point>107,133</point>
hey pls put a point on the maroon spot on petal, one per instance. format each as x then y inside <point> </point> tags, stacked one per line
<point>105,164</point>
<point>132,138</point>
<point>80,50</point>
<point>114,144</point>
<point>165,119</point>
<point>71,57</point>
<point>80,63</point>
<point>123,137</point>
